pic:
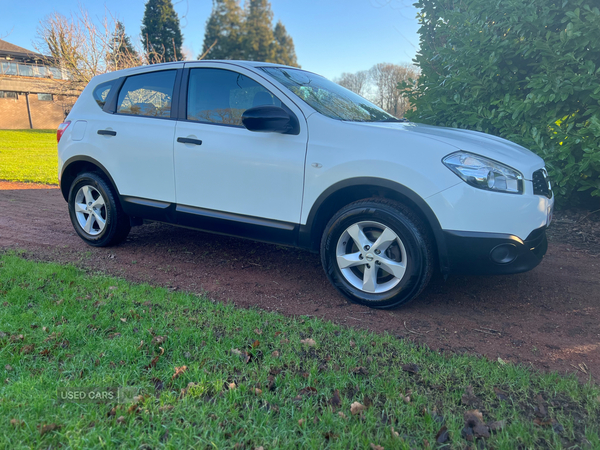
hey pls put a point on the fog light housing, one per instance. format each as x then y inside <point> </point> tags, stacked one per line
<point>504,253</point>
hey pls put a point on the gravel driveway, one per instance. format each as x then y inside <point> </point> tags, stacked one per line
<point>548,318</point>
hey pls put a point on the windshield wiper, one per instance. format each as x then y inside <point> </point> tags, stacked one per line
<point>393,119</point>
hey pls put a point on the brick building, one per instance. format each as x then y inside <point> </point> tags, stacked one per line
<point>31,94</point>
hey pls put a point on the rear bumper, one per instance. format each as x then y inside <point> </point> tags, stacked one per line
<point>494,253</point>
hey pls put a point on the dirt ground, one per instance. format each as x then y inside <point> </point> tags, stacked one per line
<point>548,318</point>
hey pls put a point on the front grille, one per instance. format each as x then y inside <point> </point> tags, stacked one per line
<point>541,183</point>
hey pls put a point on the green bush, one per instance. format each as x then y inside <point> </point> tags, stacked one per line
<point>526,70</point>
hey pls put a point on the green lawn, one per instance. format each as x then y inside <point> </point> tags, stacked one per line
<point>28,155</point>
<point>251,378</point>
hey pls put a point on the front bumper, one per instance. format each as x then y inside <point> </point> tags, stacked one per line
<point>494,253</point>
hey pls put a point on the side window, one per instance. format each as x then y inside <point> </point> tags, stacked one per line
<point>101,92</point>
<point>221,96</point>
<point>148,94</point>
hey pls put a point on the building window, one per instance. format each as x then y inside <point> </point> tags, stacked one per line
<point>45,97</point>
<point>5,94</point>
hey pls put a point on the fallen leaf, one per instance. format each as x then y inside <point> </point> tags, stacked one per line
<point>232,386</point>
<point>123,319</point>
<point>352,344</point>
<point>376,447</point>
<point>473,417</point>
<point>235,351</point>
<point>113,335</point>
<point>157,340</point>
<point>8,367</point>
<point>394,433</point>
<point>501,361</point>
<point>284,341</point>
<point>275,354</point>
<point>27,349</point>
<point>155,359</point>
<point>411,368</point>
<point>442,435</point>
<point>16,423</point>
<point>357,408</point>
<point>335,400</point>
<point>277,333</point>
<point>406,399</point>
<point>342,415</point>
<point>255,344</point>
<point>257,331</point>
<point>48,428</point>
<point>481,431</point>
<point>301,422</point>
<point>309,342</point>
<point>330,435</point>
<point>179,371</point>
<point>59,302</point>
<point>111,288</point>
<point>360,371</point>
<point>257,391</point>
<point>497,426</point>
<point>16,337</point>
<point>307,391</point>
<point>121,419</point>
<point>141,345</point>
<point>501,394</point>
<point>469,398</point>
<point>45,352</point>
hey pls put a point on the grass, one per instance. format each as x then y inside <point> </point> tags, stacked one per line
<point>29,156</point>
<point>65,328</point>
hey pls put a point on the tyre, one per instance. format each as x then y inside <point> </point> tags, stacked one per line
<point>95,212</point>
<point>377,253</point>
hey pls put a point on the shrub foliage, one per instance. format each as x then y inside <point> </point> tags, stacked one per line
<point>526,70</point>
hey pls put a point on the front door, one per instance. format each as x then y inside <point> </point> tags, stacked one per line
<point>234,174</point>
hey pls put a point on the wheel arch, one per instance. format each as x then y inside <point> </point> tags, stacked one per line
<point>347,191</point>
<point>78,164</point>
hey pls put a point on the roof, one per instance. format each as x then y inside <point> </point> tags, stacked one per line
<point>6,48</point>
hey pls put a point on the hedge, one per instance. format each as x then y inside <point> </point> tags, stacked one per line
<point>526,70</point>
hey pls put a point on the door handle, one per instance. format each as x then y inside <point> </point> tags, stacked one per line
<point>185,140</point>
<point>107,133</point>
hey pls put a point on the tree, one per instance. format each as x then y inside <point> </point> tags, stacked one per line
<point>161,35</point>
<point>81,48</point>
<point>223,35</point>
<point>356,82</point>
<point>121,51</point>
<point>387,78</point>
<point>233,33</point>
<point>527,71</point>
<point>258,31</point>
<point>283,51</point>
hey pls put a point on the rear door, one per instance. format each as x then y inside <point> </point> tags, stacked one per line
<point>248,175</point>
<point>138,138</point>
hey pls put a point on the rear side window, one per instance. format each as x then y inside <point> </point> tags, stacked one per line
<point>101,92</point>
<point>221,96</point>
<point>148,94</point>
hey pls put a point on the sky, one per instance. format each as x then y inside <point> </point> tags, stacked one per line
<point>330,36</point>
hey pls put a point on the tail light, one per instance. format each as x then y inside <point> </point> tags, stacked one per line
<point>61,129</point>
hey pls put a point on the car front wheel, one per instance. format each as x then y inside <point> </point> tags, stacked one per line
<point>377,253</point>
<point>95,212</point>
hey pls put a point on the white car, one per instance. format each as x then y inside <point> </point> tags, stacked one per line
<point>281,155</point>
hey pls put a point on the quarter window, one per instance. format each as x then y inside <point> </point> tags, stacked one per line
<point>101,92</point>
<point>221,96</point>
<point>148,94</point>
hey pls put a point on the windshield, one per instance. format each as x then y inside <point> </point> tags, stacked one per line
<point>329,98</point>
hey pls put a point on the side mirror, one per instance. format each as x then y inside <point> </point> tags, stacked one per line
<point>269,119</point>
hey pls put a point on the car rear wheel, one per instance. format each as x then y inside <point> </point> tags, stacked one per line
<point>377,253</point>
<point>95,211</point>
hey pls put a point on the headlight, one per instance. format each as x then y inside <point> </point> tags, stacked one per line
<point>484,173</point>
